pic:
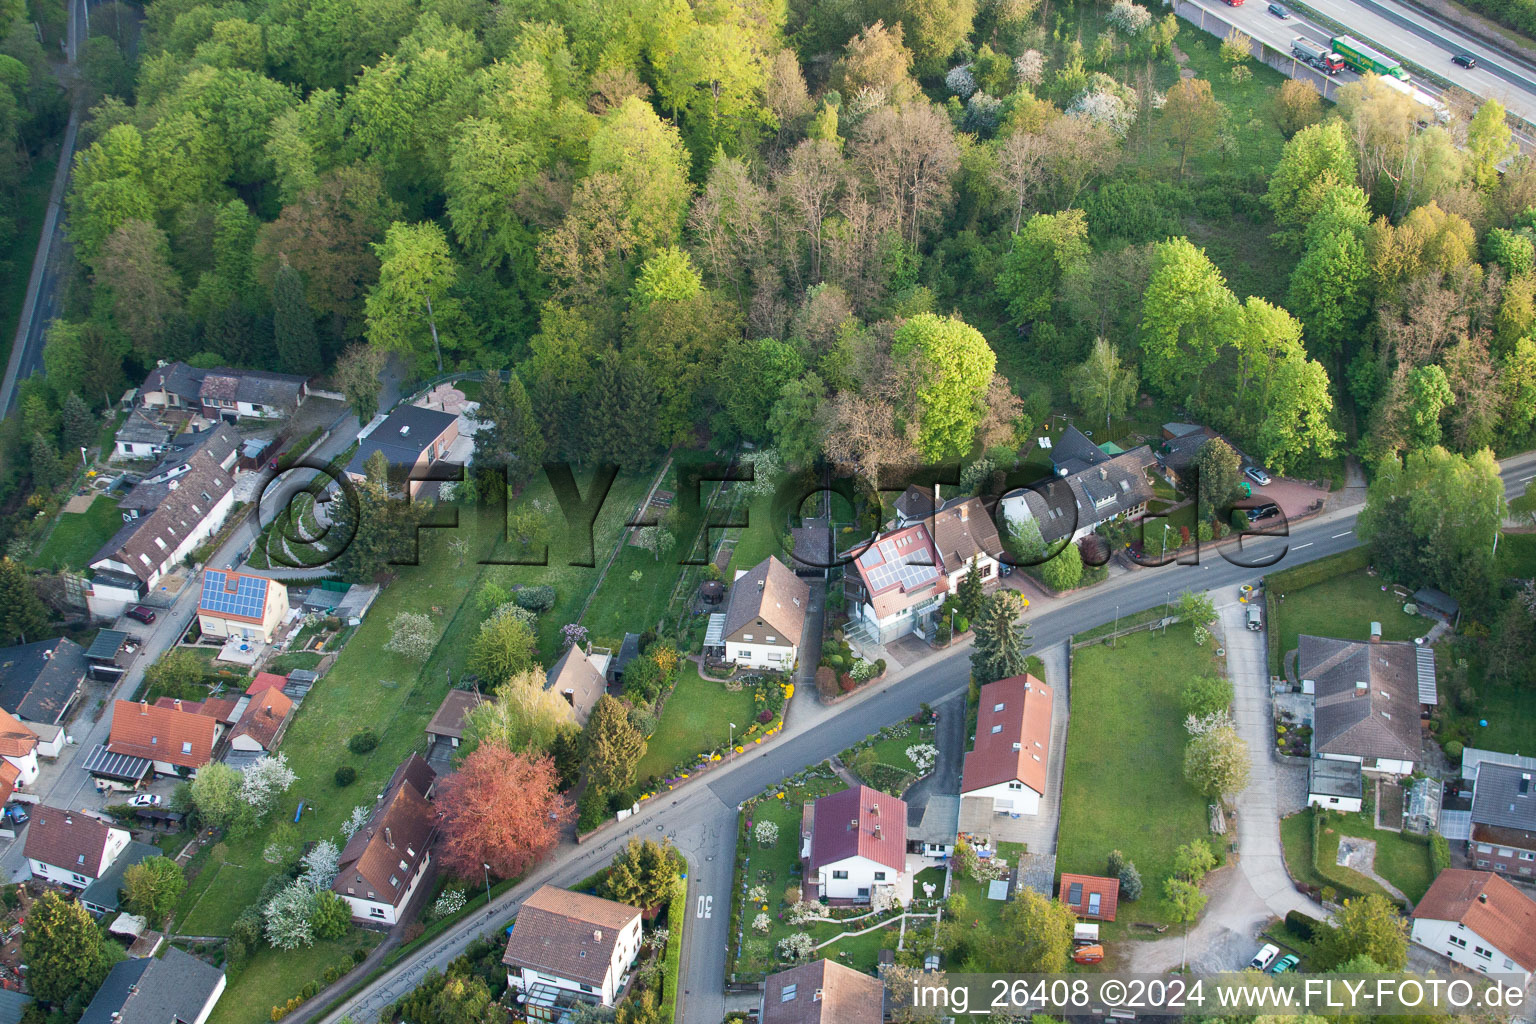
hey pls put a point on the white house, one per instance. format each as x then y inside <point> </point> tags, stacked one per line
<point>897,580</point>
<point>18,755</point>
<point>853,844</point>
<point>70,847</point>
<point>1007,765</point>
<point>766,617</point>
<point>1335,784</point>
<point>1480,921</point>
<point>384,862</point>
<point>1092,486</point>
<point>1371,698</point>
<point>568,948</point>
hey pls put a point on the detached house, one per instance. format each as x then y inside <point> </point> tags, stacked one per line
<point>237,604</point>
<point>170,740</point>
<point>1504,819</point>
<point>70,847</point>
<point>384,862</point>
<point>261,726</point>
<point>822,992</point>
<point>765,619</point>
<point>413,439</point>
<point>1007,766</point>
<point>40,682</point>
<point>580,678</point>
<point>567,949</point>
<point>223,392</point>
<point>853,844</point>
<point>1480,921</point>
<point>177,988</point>
<point>18,755</point>
<point>1371,698</point>
<point>1092,487</point>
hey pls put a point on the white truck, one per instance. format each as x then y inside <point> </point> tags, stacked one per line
<point>1318,55</point>
<point>1430,110</point>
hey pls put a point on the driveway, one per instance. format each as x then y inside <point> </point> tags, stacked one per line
<point>1295,497</point>
<point>949,736</point>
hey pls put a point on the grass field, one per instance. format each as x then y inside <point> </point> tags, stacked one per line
<point>1344,607</point>
<point>1124,786</point>
<point>79,535</point>
<point>981,913</point>
<point>1400,861</point>
<point>273,977</point>
<point>695,717</point>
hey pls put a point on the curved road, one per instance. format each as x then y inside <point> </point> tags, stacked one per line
<point>701,817</point>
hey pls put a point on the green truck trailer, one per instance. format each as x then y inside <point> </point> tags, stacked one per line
<point>1363,58</point>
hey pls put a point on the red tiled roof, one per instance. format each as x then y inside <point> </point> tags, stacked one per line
<point>16,740</point>
<point>1489,906</point>
<point>1085,886</point>
<point>67,839</point>
<point>266,681</point>
<point>179,737</point>
<point>844,826</point>
<point>220,709</point>
<point>381,859</point>
<point>9,773</point>
<point>823,992</point>
<point>1013,735</point>
<point>265,718</point>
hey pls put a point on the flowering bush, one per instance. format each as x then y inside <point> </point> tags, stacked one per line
<point>923,756</point>
<point>450,902</point>
<point>758,894</point>
<point>960,81</point>
<point>761,923</point>
<point>983,113</point>
<point>1106,102</point>
<point>989,869</point>
<point>1132,19</point>
<point>863,671</point>
<point>572,634</point>
<point>1030,67</point>
<point>885,898</point>
<point>797,947</point>
<point>1201,636</point>
<point>766,832</point>
<point>804,912</point>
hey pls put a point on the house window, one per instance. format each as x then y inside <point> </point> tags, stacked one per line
<point>394,882</point>
<point>587,988</point>
<point>1015,784</point>
<point>80,879</point>
<point>788,994</point>
<point>863,890</point>
<point>1093,903</point>
<point>746,636</point>
<point>986,571</point>
<point>1505,851</point>
<point>402,866</point>
<point>1527,855</point>
<point>879,876</point>
<point>1480,951</point>
<point>1482,863</point>
<point>375,911</point>
<point>186,747</point>
<point>1484,848</point>
<point>839,874</point>
<point>1457,940</point>
<point>997,729</point>
<point>998,707</point>
<point>770,639</point>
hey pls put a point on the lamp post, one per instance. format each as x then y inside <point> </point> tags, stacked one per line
<point>1167,599</point>
<point>84,466</point>
<point>1165,539</point>
<point>731,742</point>
<point>487,868</point>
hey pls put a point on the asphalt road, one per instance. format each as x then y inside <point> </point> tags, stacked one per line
<point>701,819</point>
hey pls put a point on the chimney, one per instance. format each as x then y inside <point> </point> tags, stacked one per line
<point>1103,473</point>
<point>874,810</point>
<point>853,825</point>
<point>597,935</point>
<point>143,707</point>
<point>937,501</point>
<point>817,997</point>
<point>877,831</point>
<point>69,819</point>
<point>1482,897</point>
<point>48,654</point>
<point>1362,688</point>
<point>389,839</point>
<point>965,513</point>
<point>570,697</point>
<point>178,703</point>
<point>760,584</point>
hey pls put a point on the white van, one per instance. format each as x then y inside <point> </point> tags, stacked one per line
<point>1255,618</point>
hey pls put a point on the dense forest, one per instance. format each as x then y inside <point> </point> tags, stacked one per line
<point>871,230</point>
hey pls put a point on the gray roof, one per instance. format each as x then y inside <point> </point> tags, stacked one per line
<point>1474,757</point>
<point>771,593</point>
<point>1074,451</point>
<point>939,823</point>
<point>629,650</point>
<point>1099,493</point>
<point>105,894</point>
<point>12,1005</point>
<point>39,688</point>
<point>143,430</point>
<point>150,991</point>
<point>1335,778</point>
<point>1367,697</point>
<point>176,516</point>
<point>402,437</point>
<point>259,387</point>
<point>1438,600</point>
<point>1505,797</point>
<point>106,645</point>
<point>1182,429</point>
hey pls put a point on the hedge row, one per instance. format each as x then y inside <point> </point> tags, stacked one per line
<point>1315,572</point>
<point>1519,15</point>
<point>672,962</point>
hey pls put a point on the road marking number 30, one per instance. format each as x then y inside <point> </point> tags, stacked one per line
<point>706,907</point>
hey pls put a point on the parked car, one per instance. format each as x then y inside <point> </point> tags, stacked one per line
<point>1257,475</point>
<point>17,813</point>
<point>1264,957</point>
<point>145,800</point>
<point>1279,12</point>
<point>1466,60</point>
<point>1263,512</point>
<point>1088,954</point>
<point>141,614</point>
<point>1285,963</point>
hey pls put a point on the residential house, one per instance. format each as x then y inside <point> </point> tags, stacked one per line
<point>581,678</point>
<point>1091,488</point>
<point>853,844</point>
<point>1370,699</point>
<point>447,725</point>
<point>261,726</point>
<point>569,948</point>
<point>147,547</point>
<point>1090,896</point>
<point>140,437</point>
<point>896,580</point>
<point>1480,921</point>
<point>71,847</point>
<point>175,739</point>
<point>1335,785</point>
<point>413,439</point>
<point>237,604</point>
<point>215,446</point>
<point>822,992</point>
<point>1504,819</point>
<point>1006,768</point>
<point>384,862</point>
<point>40,681</point>
<point>765,619</point>
<point>18,755</point>
<point>223,392</point>
<point>177,988</point>
<point>105,895</point>
<point>1180,448</point>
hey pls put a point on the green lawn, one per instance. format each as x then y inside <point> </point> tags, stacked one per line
<point>1517,555</point>
<point>1344,608</point>
<point>762,536</point>
<point>981,913</point>
<point>1399,860</point>
<point>1124,786</point>
<point>79,535</point>
<point>892,771</point>
<point>273,977</point>
<point>695,718</point>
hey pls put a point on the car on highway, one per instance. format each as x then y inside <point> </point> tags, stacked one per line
<point>1257,475</point>
<point>1279,11</point>
<point>1466,60</point>
<point>145,800</point>
<point>1264,957</point>
<point>1285,963</point>
<point>141,614</point>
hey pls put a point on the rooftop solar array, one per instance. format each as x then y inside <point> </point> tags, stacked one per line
<point>248,598</point>
<point>906,561</point>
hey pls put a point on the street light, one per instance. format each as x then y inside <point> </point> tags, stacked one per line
<point>487,868</point>
<point>84,466</point>
<point>732,734</point>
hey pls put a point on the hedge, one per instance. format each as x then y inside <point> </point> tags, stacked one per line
<point>672,963</point>
<point>1519,15</point>
<point>1315,572</point>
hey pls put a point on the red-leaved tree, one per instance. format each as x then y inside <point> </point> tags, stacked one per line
<point>500,808</point>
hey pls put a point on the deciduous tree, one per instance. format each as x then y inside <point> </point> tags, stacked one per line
<point>413,296</point>
<point>1216,762</point>
<point>1191,116</point>
<point>502,648</point>
<point>1102,383</point>
<point>523,715</point>
<point>152,887</point>
<point>502,809</point>
<point>1367,926</point>
<point>1035,935</point>
<point>954,367</point>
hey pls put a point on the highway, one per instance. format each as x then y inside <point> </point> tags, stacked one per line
<point>701,816</point>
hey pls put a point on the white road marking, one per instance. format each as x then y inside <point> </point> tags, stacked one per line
<point>1346,533</point>
<point>1308,544</point>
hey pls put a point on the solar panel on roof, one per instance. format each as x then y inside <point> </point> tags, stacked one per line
<point>247,599</point>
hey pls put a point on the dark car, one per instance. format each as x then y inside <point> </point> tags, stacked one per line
<point>1466,60</point>
<point>1263,512</point>
<point>141,614</point>
<point>1279,12</point>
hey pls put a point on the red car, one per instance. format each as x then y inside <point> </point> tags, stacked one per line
<point>141,614</point>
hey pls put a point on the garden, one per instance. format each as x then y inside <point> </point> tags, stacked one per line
<point>896,756</point>
<point>761,699</point>
<point>1311,841</point>
<point>79,535</point>
<point>1314,610</point>
<point>1123,785</point>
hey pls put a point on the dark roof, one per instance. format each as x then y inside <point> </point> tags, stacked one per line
<point>1367,697</point>
<point>258,387</point>
<point>401,829</point>
<point>140,428</point>
<point>175,517</point>
<point>629,650</point>
<point>1504,796</point>
<point>1099,493</point>
<point>916,502</point>
<point>175,987</point>
<point>844,826</point>
<point>106,891</point>
<point>1327,777</point>
<point>12,1006</point>
<point>1438,600</point>
<point>126,767</point>
<point>568,934</point>
<point>576,678</point>
<point>1179,453</point>
<point>962,531</point>
<point>106,645</point>
<point>70,840</point>
<point>1074,452</point>
<point>402,437</point>
<point>769,593</point>
<point>449,719</point>
<point>39,680</point>
<point>822,992</point>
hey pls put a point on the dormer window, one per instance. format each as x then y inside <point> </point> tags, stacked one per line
<point>186,747</point>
